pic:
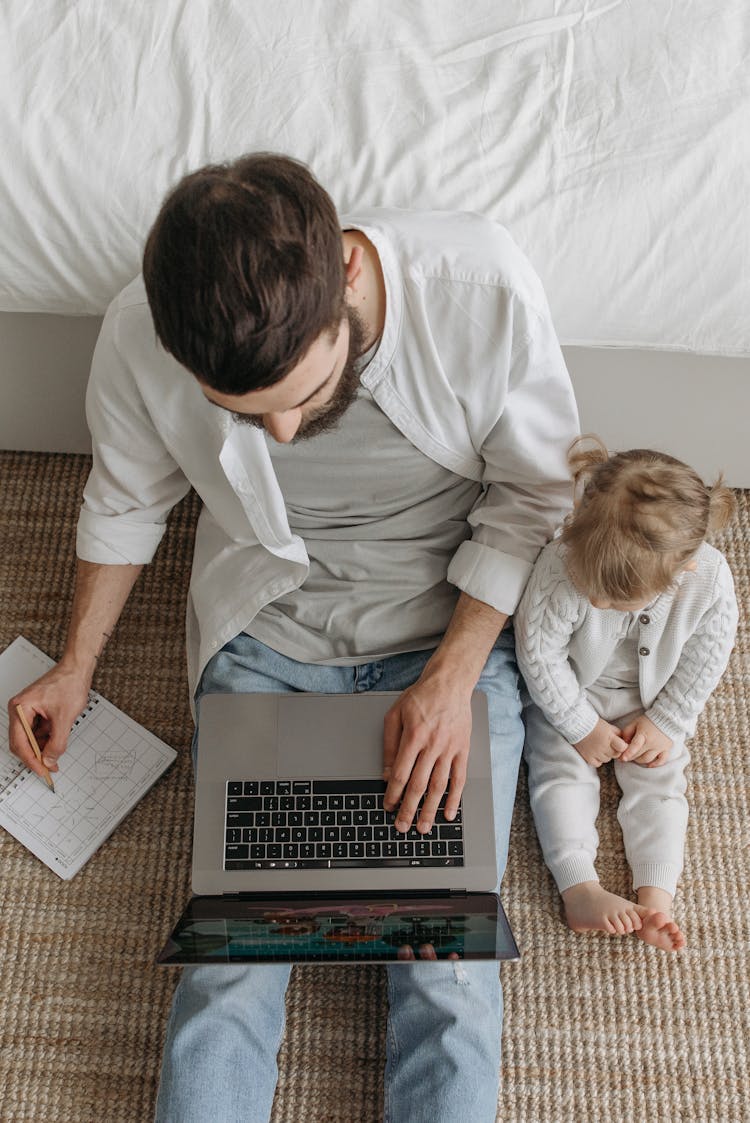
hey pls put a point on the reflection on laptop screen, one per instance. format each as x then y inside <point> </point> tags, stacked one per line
<point>341,930</point>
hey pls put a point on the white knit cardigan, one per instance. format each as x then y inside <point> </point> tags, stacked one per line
<point>685,637</point>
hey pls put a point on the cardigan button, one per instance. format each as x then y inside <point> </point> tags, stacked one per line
<point>645,619</point>
<point>644,651</point>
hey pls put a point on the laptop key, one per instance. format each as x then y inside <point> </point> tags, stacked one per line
<point>235,819</point>
<point>244,803</point>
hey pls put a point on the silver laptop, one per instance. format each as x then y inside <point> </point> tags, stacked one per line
<point>295,859</point>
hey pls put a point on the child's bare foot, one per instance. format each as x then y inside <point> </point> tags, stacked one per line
<point>658,926</point>
<point>661,931</point>
<point>589,908</point>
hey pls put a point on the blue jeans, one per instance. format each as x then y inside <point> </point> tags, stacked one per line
<point>445,1019</point>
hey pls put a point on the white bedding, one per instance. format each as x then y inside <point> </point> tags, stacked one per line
<point>611,137</point>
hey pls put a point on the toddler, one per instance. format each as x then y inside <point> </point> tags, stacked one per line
<point>623,631</point>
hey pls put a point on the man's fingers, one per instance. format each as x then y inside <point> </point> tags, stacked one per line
<point>436,791</point>
<point>410,802</point>
<point>458,779</point>
<point>427,951</point>
<point>406,951</point>
<point>50,741</point>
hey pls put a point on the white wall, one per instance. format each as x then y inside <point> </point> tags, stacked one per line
<point>693,406</point>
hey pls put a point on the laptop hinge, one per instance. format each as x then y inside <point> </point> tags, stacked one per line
<point>342,895</point>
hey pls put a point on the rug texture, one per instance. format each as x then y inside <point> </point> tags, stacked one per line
<point>595,1028</point>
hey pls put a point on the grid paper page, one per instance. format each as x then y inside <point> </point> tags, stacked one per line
<point>110,763</point>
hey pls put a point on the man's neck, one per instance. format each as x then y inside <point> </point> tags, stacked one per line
<point>367,293</point>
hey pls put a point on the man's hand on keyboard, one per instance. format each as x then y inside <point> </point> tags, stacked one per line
<point>426,740</point>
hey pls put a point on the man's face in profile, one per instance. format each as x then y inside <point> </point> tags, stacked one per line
<point>313,396</point>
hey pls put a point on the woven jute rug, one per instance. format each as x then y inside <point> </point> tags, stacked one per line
<point>595,1028</point>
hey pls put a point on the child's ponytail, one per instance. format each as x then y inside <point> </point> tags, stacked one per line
<point>585,454</point>
<point>721,505</point>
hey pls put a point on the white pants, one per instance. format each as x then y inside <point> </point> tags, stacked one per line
<point>564,793</point>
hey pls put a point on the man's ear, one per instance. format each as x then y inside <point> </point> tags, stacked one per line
<point>353,265</point>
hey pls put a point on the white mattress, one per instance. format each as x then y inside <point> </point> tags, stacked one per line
<point>611,138</point>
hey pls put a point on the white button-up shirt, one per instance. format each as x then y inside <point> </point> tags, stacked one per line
<point>468,369</point>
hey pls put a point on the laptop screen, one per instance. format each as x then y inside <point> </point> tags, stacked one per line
<point>340,930</point>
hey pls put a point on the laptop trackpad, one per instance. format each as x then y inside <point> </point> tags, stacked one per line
<point>334,736</point>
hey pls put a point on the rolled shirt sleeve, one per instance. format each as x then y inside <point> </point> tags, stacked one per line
<point>134,482</point>
<point>528,488</point>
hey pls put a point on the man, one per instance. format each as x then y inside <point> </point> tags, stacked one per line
<point>376,415</point>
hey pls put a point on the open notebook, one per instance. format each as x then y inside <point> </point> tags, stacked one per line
<point>110,763</point>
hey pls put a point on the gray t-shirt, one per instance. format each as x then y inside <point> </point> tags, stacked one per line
<point>379,536</point>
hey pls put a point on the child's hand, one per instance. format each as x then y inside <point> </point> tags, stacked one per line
<point>648,745</point>
<point>604,742</point>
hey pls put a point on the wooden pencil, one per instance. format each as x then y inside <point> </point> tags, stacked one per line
<point>32,741</point>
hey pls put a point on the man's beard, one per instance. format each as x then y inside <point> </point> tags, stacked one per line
<point>327,416</point>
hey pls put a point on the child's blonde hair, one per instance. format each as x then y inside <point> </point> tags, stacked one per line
<point>639,518</point>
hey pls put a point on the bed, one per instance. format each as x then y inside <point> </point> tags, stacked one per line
<point>610,136</point>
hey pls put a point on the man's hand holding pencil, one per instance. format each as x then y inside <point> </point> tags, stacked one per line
<point>41,717</point>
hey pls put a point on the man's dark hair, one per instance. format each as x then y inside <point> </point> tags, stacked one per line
<point>244,270</point>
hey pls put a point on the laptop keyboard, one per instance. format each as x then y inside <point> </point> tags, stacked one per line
<point>328,824</point>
